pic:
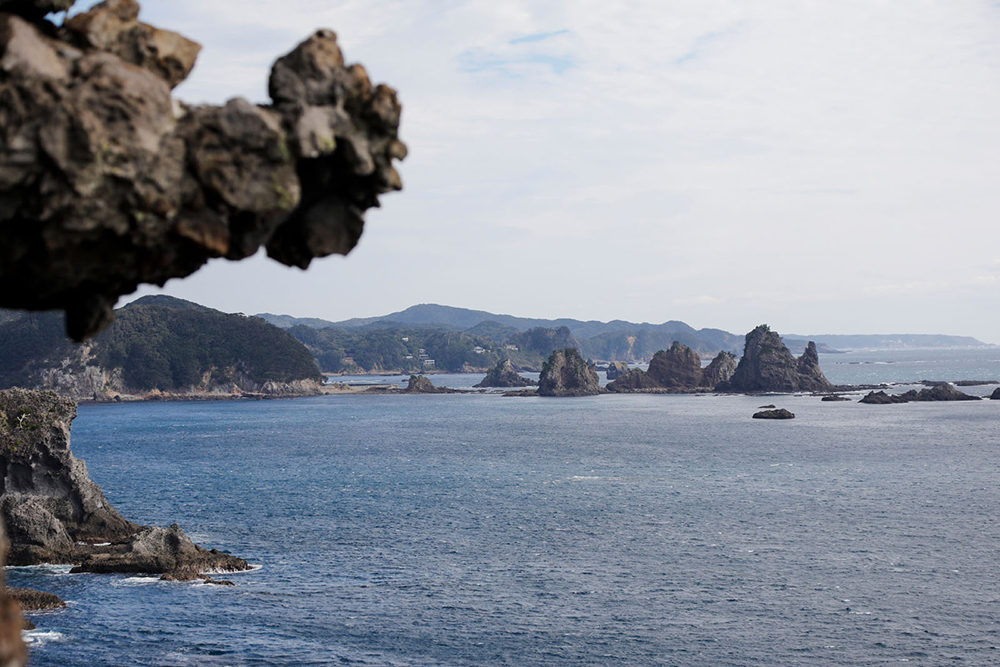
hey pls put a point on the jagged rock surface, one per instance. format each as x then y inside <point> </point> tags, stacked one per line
<point>31,600</point>
<point>676,368</point>
<point>106,182</point>
<point>720,370</point>
<point>566,373</point>
<point>617,369</point>
<point>767,365</point>
<point>54,513</point>
<point>943,392</point>
<point>504,375</point>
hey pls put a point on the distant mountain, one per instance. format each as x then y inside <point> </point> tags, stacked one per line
<point>461,319</point>
<point>287,321</point>
<point>155,344</point>
<point>891,341</point>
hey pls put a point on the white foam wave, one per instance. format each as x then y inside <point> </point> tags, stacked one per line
<point>136,581</point>
<point>41,637</point>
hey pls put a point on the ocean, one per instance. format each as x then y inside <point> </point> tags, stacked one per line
<point>613,530</point>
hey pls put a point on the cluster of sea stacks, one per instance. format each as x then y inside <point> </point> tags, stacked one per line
<point>766,366</point>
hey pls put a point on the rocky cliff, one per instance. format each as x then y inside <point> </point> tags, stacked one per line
<point>107,182</point>
<point>767,365</point>
<point>566,373</point>
<point>54,513</point>
<point>504,375</point>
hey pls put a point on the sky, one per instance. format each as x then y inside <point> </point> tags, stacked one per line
<point>824,167</point>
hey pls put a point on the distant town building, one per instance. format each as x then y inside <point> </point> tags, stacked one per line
<point>406,339</point>
<point>478,350</point>
<point>510,347</point>
<point>428,363</point>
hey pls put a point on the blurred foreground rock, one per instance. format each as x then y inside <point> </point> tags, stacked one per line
<point>107,182</point>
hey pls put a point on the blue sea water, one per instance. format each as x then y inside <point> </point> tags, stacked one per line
<point>613,530</point>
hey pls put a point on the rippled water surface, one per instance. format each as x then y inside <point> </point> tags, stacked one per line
<point>483,530</point>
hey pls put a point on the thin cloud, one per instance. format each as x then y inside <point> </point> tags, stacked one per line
<point>537,37</point>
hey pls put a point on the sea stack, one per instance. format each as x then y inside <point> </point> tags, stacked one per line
<point>504,375</point>
<point>54,513</point>
<point>767,365</point>
<point>566,373</point>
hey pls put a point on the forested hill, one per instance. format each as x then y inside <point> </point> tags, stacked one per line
<point>156,344</point>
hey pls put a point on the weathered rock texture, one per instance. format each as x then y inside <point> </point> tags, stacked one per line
<point>566,373</point>
<point>504,375</point>
<point>54,513</point>
<point>31,600</point>
<point>106,182</point>
<point>767,365</point>
<point>780,413</point>
<point>617,369</point>
<point>676,370</point>
<point>720,370</point>
<point>881,398</point>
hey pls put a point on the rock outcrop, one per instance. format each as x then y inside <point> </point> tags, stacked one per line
<point>676,369</point>
<point>941,392</point>
<point>107,182</point>
<point>617,369</point>
<point>720,370</point>
<point>54,513</point>
<point>566,373</point>
<point>881,398</point>
<point>421,384</point>
<point>767,365</point>
<point>835,399</point>
<point>504,375</point>
<point>995,396</point>
<point>31,600</point>
<point>780,413</point>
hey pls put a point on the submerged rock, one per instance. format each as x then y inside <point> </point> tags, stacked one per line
<point>566,373</point>
<point>780,413</point>
<point>834,399</point>
<point>54,513</point>
<point>31,600</point>
<point>504,375</point>
<point>767,365</point>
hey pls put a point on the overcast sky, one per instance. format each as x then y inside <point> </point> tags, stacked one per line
<point>825,167</point>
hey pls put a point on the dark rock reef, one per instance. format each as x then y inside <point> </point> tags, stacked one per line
<point>780,413</point>
<point>767,365</point>
<point>942,392</point>
<point>835,399</point>
<point>617,369</point>
<point>31,600</point>
<point>566,373</point>
<point>54,513</point>
<point>995,396</point>
<point>107,182</point>
<point>421,384</point>
<point>504,375</point>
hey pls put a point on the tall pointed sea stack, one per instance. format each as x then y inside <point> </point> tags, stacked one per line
<point>767,365</point>
<point>566,373</point>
